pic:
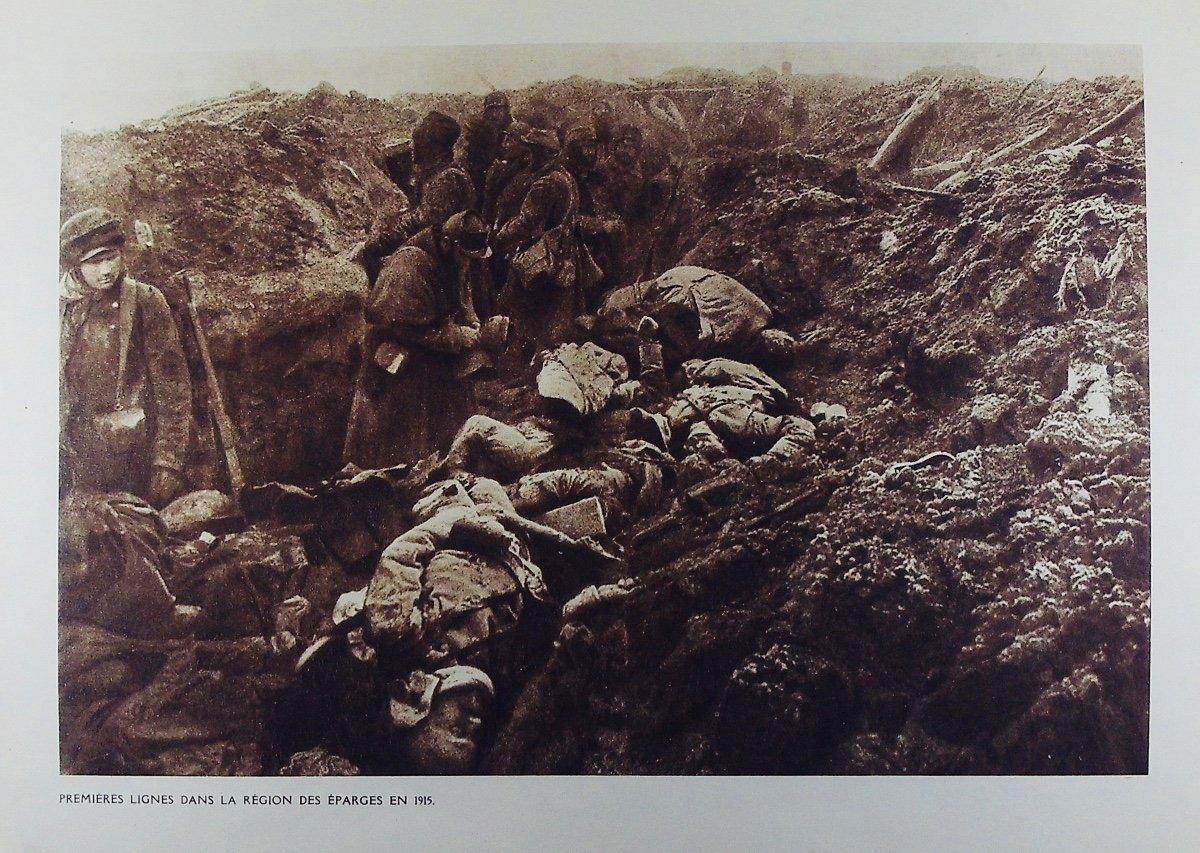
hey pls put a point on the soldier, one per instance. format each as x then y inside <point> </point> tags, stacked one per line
<point>412,392</point>
<point>551,268</point>
<point>583,391</point>
<point>438,719</point>
<point>604,117</point>
<point>440,189</point>
<point>625,192</point>
<point>728,410</point>
<point>125,392</point>
<point>484,140</point>
<point>451,603</point>
<point>525,152</point>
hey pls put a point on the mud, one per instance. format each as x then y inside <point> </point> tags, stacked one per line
<point>983,610</point>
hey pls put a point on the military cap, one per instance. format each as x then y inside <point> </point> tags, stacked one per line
<point>461,678</point>
<point>436,130</point>
<point>87,233</point>
<point>495,99</point>
<point>469,232</point>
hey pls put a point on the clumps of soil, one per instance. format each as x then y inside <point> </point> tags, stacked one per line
<point>955,581</point>
<point>933,618</point>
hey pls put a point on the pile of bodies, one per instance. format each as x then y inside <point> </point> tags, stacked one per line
<point>384,620</point>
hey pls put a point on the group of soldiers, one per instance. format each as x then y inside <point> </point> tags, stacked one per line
<point>505,245</point>
<point>512,233</point>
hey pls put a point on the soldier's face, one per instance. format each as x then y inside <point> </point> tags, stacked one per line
<point>512,146</point>
<point>583,153</point>
<point>627,151</point>
<point>498,115</point>
<point>446,742</point>
<point>102,271</point>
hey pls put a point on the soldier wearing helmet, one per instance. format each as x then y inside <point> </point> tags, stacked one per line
<point>554,221</point>
<point>440,189</point>
<point>421,346</point>
<point>125,392</point>
<point>483,139</point>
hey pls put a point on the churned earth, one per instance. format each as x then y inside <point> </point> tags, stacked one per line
<point>956,580</point>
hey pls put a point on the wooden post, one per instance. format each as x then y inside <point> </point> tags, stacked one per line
<point>1113,124</point>
<point>905,128</point>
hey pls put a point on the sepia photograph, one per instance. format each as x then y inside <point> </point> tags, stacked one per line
<point>767,413</point>
<point>715,421</point>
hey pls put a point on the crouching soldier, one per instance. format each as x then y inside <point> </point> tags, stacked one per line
<point>414,387</point>
<point>125,392</point>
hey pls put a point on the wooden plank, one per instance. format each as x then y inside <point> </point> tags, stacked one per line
<point>905,129</point>
<point>1113,124</point>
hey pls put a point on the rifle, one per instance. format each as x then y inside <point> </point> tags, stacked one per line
<point>656,232</point>
<point>226,438</point>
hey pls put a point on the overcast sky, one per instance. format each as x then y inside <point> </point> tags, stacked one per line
<point>135,87</point>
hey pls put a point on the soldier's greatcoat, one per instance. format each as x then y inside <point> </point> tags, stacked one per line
<point>416,306</point>
<point>120,352</point>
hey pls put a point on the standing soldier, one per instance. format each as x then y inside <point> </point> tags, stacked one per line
<point>440,190</point>
<point>551,269</point>
<point>625,193</point>
<point>604,120</point>
<point>483,140</point>
<point>125,393</point>
<point>526,151</point>
<point>414,390</point>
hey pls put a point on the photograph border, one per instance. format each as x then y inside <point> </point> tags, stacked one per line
<point>1156,812</point>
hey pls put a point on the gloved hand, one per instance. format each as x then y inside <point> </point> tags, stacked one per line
<point>166,484</point>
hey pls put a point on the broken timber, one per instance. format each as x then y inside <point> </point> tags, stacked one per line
<point>1004,153</point>
<point>1113,124</point>
<point>992,159</point>
<point>905,129</point>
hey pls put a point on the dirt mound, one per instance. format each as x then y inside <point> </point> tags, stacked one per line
<point>956,582</point>
<point>982,611</point>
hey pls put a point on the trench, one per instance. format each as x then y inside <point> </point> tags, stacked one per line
<point>866,631</point>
